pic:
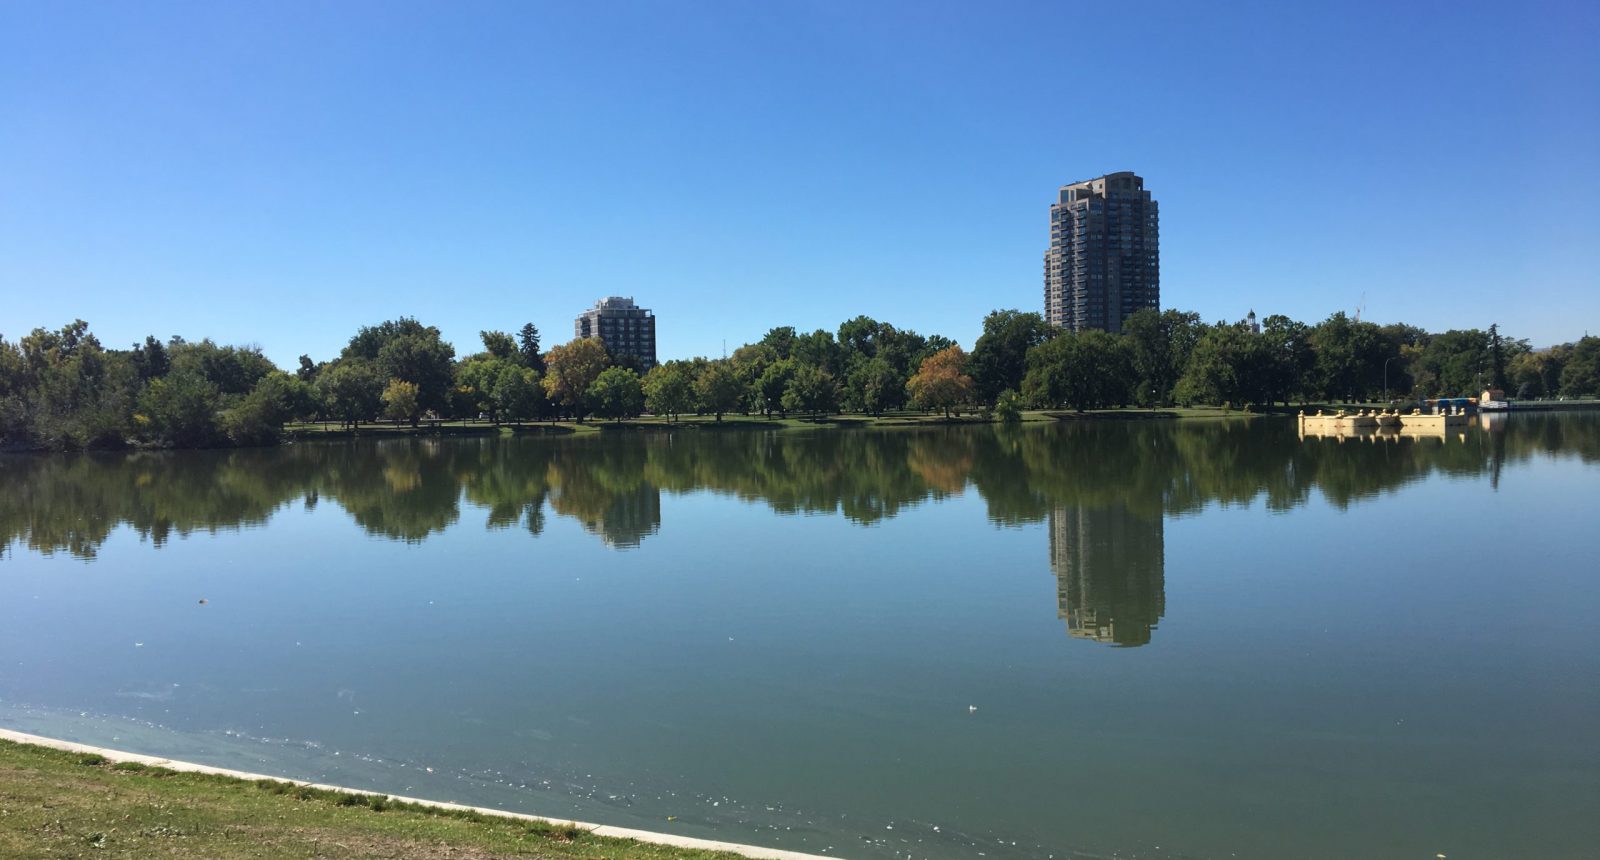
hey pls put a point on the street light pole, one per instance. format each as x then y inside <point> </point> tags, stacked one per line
<point>1386,376</point>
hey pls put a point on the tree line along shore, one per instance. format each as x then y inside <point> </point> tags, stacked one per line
<point>64,390</point>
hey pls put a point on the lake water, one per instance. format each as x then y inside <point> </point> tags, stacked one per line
<point>1200,639</point>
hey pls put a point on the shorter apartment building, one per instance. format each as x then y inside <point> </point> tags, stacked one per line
<point>625,328</point>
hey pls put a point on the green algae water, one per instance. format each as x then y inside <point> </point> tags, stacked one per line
<point>1106,639</point>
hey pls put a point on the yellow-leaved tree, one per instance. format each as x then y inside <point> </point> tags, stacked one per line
<point>941,382</point>
<point>571,368</point>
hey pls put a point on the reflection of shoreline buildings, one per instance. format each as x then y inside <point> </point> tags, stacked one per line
<point>620,518</point>
<point>1110,568</point>
<point>632,517</point>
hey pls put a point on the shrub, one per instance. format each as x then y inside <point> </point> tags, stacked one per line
<point>1008,407</point>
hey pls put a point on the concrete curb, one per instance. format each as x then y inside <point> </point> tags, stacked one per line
<point>675,841</point>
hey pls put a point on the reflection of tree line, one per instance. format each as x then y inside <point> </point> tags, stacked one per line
<point>410,489</point>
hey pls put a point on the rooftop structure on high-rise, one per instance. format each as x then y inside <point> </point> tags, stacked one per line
<point>1104,260</point>
<point>627,330</point>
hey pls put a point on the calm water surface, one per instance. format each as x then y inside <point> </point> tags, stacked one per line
<point>1144,639</point>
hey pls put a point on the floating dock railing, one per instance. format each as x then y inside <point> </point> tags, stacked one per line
<point>1383,422</point>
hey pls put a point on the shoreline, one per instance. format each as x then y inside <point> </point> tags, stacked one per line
<point>735,423</point>
<point>732,423</point>
<point>607,831</point>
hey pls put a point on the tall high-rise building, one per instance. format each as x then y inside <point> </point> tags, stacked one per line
<point>625,328</point>
<point>1104,260</point>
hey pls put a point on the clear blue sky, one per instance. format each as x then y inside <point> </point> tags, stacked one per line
<point>282,173</point>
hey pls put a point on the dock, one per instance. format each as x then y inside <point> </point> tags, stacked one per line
<point>1383,422</point>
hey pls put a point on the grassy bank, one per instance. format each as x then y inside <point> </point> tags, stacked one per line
<point>63,804</point>
<point>735,422</point>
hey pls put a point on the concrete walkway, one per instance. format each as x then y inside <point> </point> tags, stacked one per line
<point>597,829</point>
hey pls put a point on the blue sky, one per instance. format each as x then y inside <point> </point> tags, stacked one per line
<point>282,173</point>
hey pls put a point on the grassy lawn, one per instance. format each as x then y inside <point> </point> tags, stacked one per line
<point>63,804</point>
<point>735,421</point>
<point>1134,412</point>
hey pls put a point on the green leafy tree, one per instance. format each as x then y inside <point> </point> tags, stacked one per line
<point>351,390</point>
<point>426,362</point>
<point>180,409</point>
<point>875,386</point>
<point>258,419</point>
<point>476,379</point>
<point>749,362</point>
<point>400,401</point>
<point>1538,374</point>
<point>616,394</point>
<point>1000,357</point>
<point>406,349</point>
<point>773,382</point>
<point>1350,357</point>
<point>1580,377</point>
<point>500,345</point>
<point>861,338</point>
<point>15,427</point>
<point>719,389</point>
<point>1160,343</point>
<point>1084,370</point>
<point>150,358</point>
<point>927,347</point>
<point>811,390</point>
<point>518,396</point>
<point>233,370</point>
<point>13,369</point>
<point>286,398</point>
<point>817,349</point>
<point>1456,363</point>
<point>904,350</point>
<point>1229,365</point>
<point>780,340</point>
<point>669,390</point>
<point>1290,360</point>
<point>73,393</point>
<point>570,369</point>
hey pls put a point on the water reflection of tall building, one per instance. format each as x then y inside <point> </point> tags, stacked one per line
<point>622,519</point>
<point>1110,568</point>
